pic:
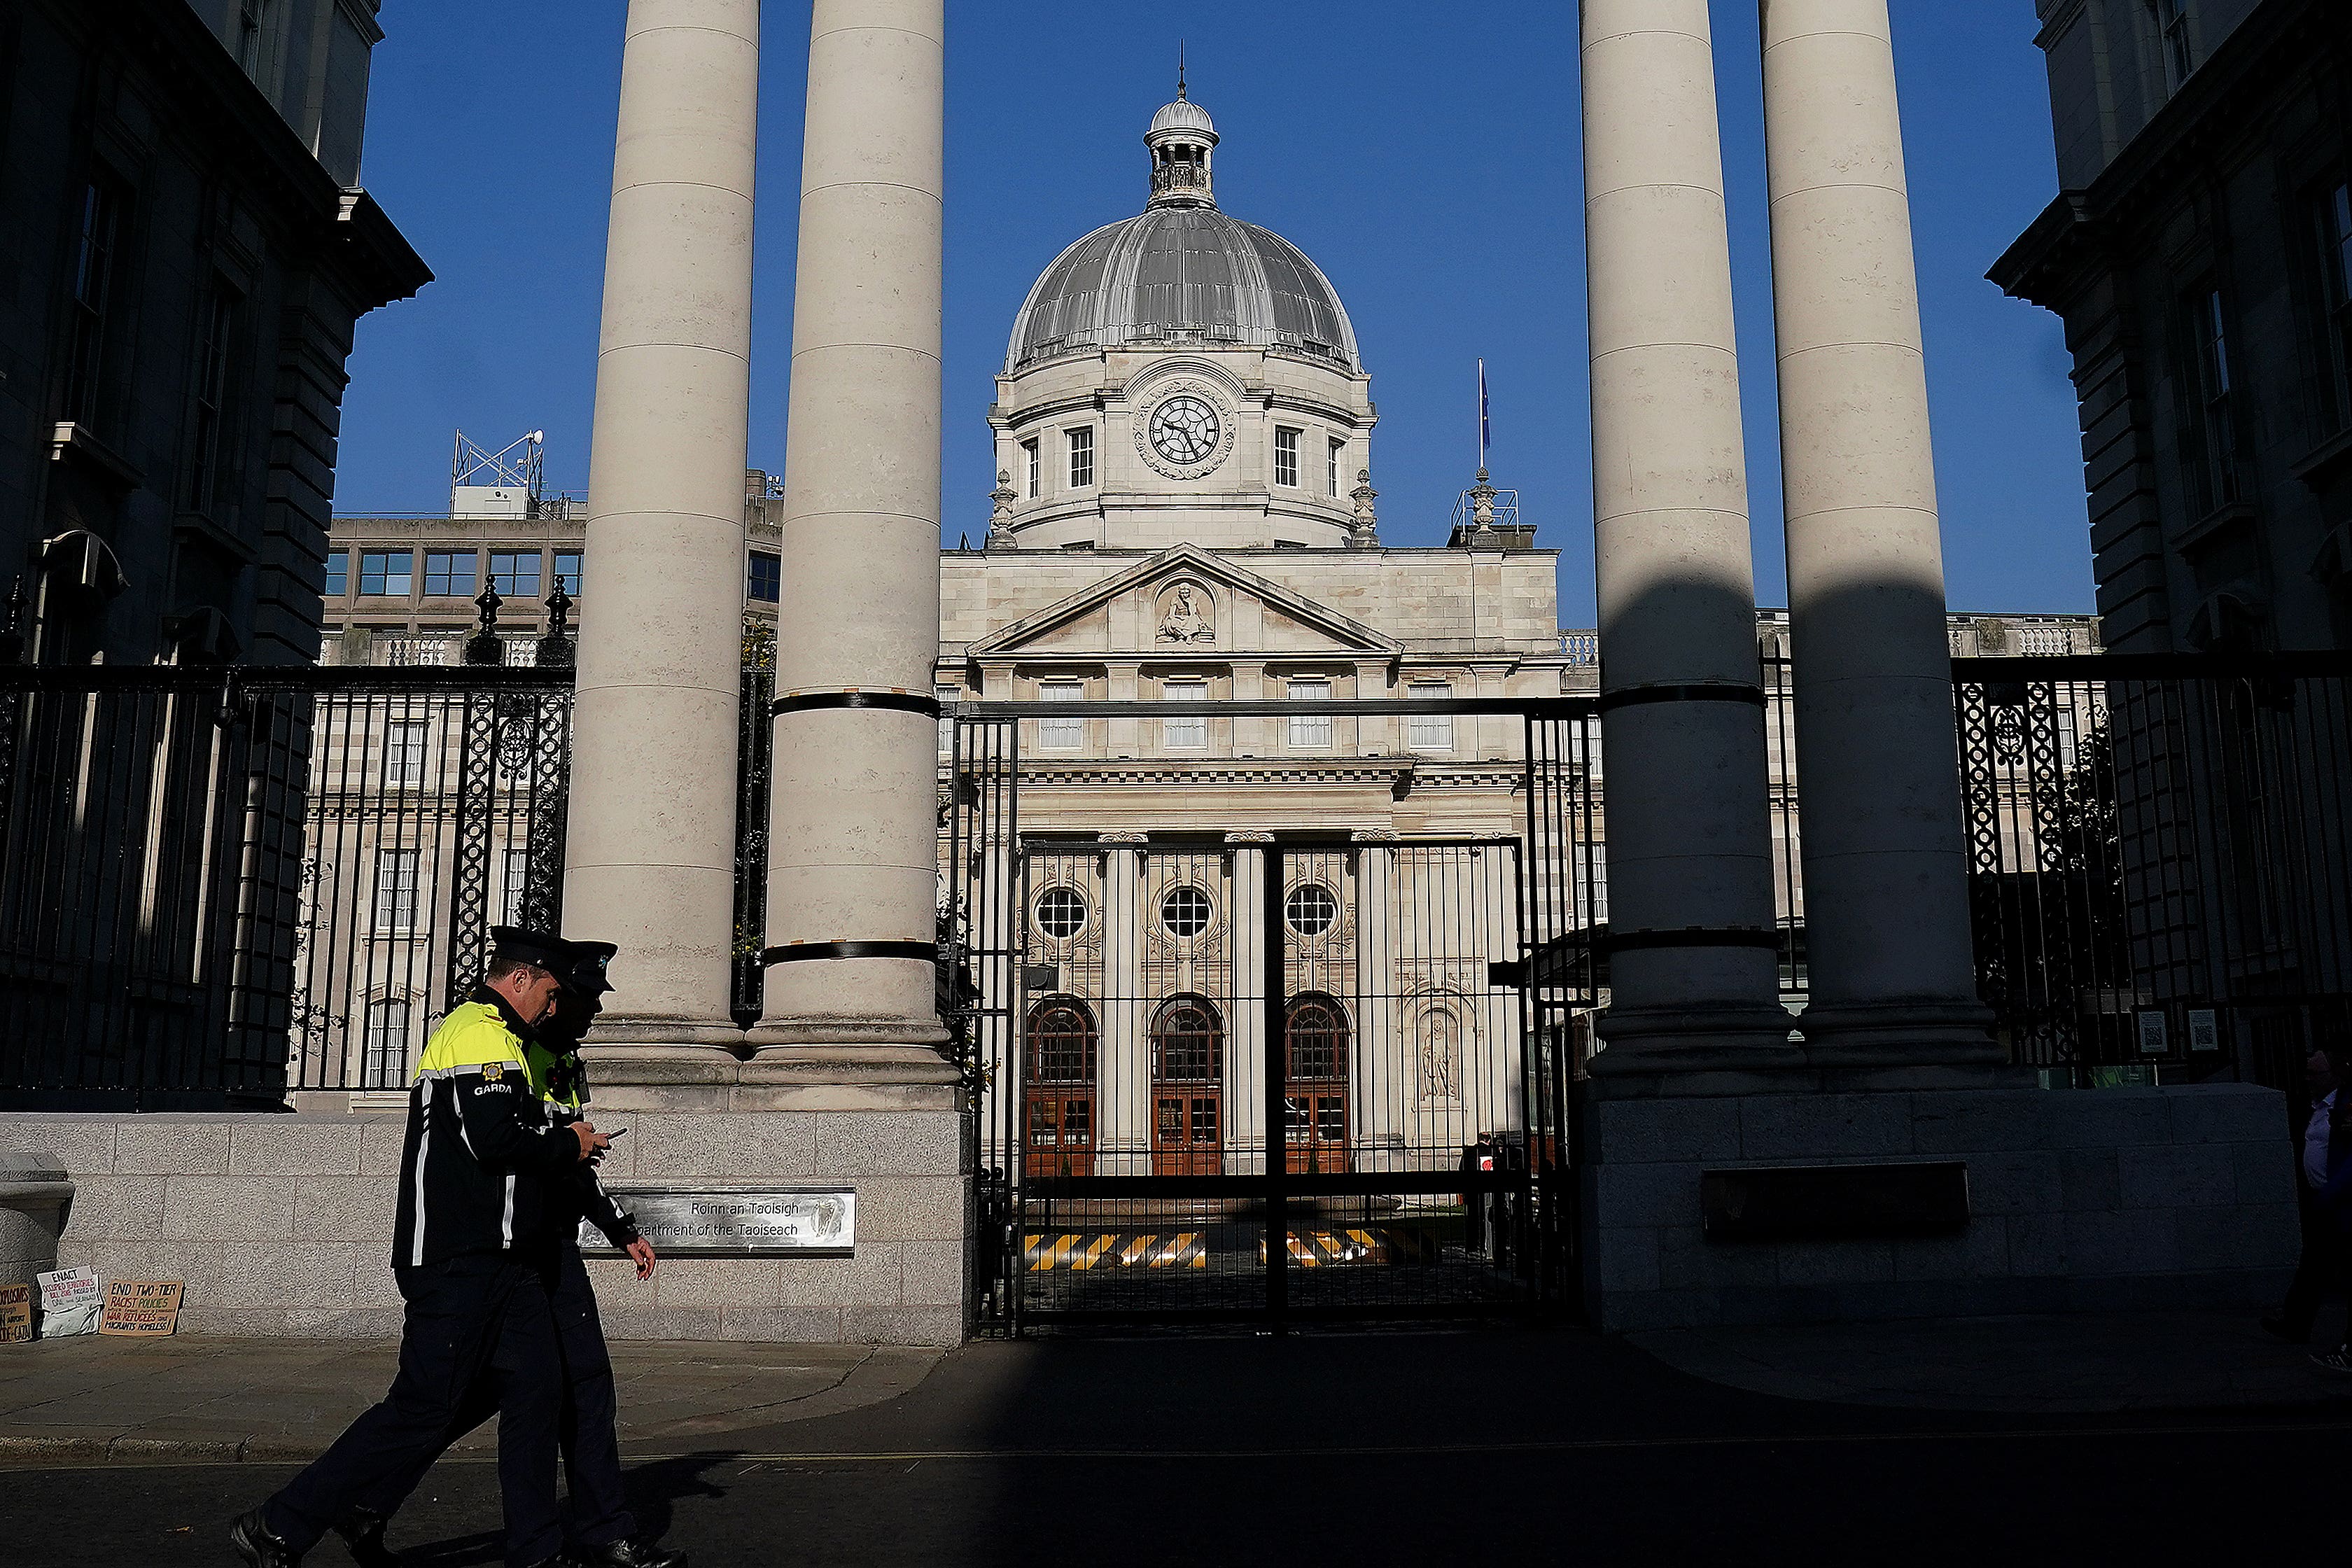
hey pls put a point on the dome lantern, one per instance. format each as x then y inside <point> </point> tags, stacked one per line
<point>1182,139</point>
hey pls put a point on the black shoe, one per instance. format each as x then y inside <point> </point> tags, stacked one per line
<point>363,1535</point>
<point>626,1555</point>
<point>2278,1330</point>
<point>261,1547</point>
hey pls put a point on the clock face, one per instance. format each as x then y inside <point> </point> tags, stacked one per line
<point>1184,430</point>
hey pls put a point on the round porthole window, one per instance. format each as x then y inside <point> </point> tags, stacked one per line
<point>1311,909</point>
<point>1061,913</point>
<point>1185,912</point>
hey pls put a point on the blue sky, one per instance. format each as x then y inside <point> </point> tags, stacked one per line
<point>1432,168</point>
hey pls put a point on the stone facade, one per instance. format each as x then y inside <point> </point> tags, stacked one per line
<point>190,249</point>
<point>2201,252</point>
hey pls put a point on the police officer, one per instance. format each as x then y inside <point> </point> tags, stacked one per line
<point>476,1174</point>
<point>592,1452</point>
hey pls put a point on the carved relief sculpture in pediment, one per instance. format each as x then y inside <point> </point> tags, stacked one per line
<point>1187,616</point>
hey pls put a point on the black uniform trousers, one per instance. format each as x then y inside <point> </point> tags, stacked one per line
<point>468,1317</point>
<point>591,1449</point>
<point>2321,1271</point>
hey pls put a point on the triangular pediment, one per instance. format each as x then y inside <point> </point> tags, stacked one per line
<point>1185,601</point>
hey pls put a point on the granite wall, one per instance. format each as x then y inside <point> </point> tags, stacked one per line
<point>2083,1201</point>
<point>282,1224</point>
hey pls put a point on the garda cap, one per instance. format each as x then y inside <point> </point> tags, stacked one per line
<point>520,946</point>
<point>584,967</point>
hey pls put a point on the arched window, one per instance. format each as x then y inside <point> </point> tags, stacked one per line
<point>1060,1044</point>
<point>1188,1041</point>
<point>1318,1038</point>
<point>1188,1096</point>
<point>1315,1089</point>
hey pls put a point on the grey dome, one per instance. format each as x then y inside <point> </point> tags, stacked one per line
<point>1177,275</point>
<point>1183,115</point>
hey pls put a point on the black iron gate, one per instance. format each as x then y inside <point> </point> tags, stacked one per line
<point>1263,1072</point>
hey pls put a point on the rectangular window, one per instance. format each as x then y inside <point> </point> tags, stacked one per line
<point>765,584</point>
<point>2335,293</point>
<point>1286,454</point>
<point>567,572</point>
<point>95,248</point>
<point>1430,731</point>
<point>2172,40</point>
<point>514,879</point>
<point>1029,461</point>
<point>216,338</point>
<point>403,752</point>
<point>450,574</point>
<point>395,889</point>
<point>1082,458</point>
<point>1310,730</point>
<point>338,573</point>
<point>2215,450</point>
<point>946,697</point>
<point>1339,451</point>
<point>387,574</point>
<point>1180,732</point>
<point>1061,734</point>
<point>387,1045</point>
<point>515,574</point>
<point>1592,865</point>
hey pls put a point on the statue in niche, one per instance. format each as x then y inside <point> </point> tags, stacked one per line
<point>1440,1052</point>
<point>1186,621</point>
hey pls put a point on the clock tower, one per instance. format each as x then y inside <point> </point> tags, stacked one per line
<point>1181,376</point>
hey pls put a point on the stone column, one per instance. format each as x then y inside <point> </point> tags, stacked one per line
<point>1125,1070</point>
<point>852,857</point>
<point>1383,1081</point>
<point>1248,1054</point>
<point>1885,874</point>
<point>1689,841</point>
<point>651,835</point>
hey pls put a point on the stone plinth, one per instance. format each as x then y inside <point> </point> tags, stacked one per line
<point>34,1194</point>
<point>282,1225</point>
<point>2080,1201</point>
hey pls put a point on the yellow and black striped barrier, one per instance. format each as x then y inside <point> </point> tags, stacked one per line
<point>1044,1253</point>
<point>1372,1246</point>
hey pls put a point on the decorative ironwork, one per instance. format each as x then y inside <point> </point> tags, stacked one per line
<point>222,884</point>
<point>755,744</point>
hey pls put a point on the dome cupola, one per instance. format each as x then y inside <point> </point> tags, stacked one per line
<point>1181,272</point>
<point>1182,139</point>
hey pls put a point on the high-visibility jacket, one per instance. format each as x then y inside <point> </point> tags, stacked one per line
<point>563,1084</point>
<point>481,1153</point>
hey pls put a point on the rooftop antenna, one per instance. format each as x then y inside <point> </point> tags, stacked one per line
<point>505,483</point>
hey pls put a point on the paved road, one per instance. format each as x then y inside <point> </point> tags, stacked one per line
<point>1434,1448</point>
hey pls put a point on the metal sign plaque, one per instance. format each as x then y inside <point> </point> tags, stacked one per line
<point>745,1221</point>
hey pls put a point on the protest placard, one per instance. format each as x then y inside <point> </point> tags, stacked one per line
<point>71,1299</point>
<point>141,1307</point>
<point>16,1314</point>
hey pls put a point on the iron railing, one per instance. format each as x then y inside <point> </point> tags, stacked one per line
<point>233,884</point>
<point>2161,859</point>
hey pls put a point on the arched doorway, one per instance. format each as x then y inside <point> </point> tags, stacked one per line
<point>1315,1083</point>
<point>1188,1087</point>
<point>1060,1039</point>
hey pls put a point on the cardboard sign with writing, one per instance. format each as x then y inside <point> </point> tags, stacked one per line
<point>16,1314</point>
<point>141,1307</point>
<point>70,1301</point>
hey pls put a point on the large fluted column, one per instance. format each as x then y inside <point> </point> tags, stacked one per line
<point>1694,975</point>
<point>1885,877</point>
<point>651,861</point>
<point>852,846</point>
